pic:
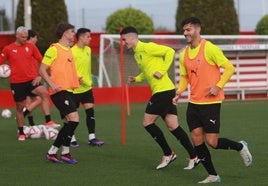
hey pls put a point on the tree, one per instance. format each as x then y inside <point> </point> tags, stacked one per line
<point>129,17</point>
<point>3,20</point>
<point>217,17</point>
<point>262,26</point>
<point>45,17</point>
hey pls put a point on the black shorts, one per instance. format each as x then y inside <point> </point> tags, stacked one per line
<point>21,90</point>
<point>64,101</point>
<point>161,104</point>
<point>85,97</point>
<point>206,116</point>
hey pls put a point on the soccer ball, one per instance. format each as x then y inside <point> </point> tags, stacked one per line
<point>6,113</point>
<point>50,133</point>
<point>42,128</point>
<point>4,71</point>
<point>35,132</point>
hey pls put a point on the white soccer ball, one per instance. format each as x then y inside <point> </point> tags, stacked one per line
<point>35,132</point>
<point>4,71</point>
<point>42,128</point>
<point>26,130</point>
<point>50,133</point>
<point>6,113</point>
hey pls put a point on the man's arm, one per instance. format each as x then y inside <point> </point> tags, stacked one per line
<point>182,87</point>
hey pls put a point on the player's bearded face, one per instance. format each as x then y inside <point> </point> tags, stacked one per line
<point>189,32</point>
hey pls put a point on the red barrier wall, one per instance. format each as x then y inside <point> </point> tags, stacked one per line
<point>137,94</point>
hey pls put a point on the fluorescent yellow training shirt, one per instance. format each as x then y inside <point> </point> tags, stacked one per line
<point>82,58</point>
<point>152,58</point>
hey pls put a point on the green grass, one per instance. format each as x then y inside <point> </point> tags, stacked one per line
<point>133,164</point>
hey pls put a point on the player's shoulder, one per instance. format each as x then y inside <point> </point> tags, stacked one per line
<point>211,46</point>
<point>10,46</point>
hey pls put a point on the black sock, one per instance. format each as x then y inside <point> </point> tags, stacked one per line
<point>90,120</point>
<point>69,132</point>
<point>159,137</point>
<point>204,154</point>
<point>26,112</point>
<point>182,136</point>
<point>31,121</point>
<point>224,143</point>
<point>20,130</point>
<point>47,118</point>
<point>61,137</point>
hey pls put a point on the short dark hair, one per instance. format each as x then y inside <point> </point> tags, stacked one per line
<point>61,28</point>
<point>31,33</point>
<point>192,20</point>
<point>81,31</point>
<point>129,29</point>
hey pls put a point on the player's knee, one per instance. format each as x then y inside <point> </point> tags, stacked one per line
<point>213,143</point>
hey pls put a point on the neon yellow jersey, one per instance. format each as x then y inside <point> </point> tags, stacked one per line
<point>82,58</point>
<point>50,55</point>
<point>152,58</point>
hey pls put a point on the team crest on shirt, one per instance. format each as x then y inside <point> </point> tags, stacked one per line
<point>26,49</point>
<point>198,63</point>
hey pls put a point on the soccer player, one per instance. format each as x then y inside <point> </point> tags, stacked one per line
<point>200,64</point>
<point>33,38</point>
<point>84,94</point>
<point>154,61</point>
<point>58,70</point>
<point>24,79</point>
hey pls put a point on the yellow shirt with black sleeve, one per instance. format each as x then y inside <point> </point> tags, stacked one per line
<point>214,57</point>
<point>152,58</point>
<point>82,58</point>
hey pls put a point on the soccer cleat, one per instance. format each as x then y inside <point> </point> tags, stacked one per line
<point>68,159</point>
<point>53,158</point>
<point>211,179</point>
<point>245,154</point>
<point>52,124</point>
<point>95,142</point>
<point>74,144</point>
<point>22,137</point>
<point>192,163</point>
<point>166,160</point>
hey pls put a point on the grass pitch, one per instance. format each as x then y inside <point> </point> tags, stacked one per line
<point>133,164</point>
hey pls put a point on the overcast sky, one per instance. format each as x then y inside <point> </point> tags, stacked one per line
<point>93,13</point>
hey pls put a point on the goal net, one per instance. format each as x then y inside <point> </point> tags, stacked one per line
<point>235,47</point>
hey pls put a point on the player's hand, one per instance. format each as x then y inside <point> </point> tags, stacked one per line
<point>176,99</point>
<point>213,91</point>
<point>131,79</point>
<point>80,79</point>
<point>36,81</point>
<point>55,88</point>
<point>158,75</point>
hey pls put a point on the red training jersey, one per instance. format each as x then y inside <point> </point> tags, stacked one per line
<point>22,60</point>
